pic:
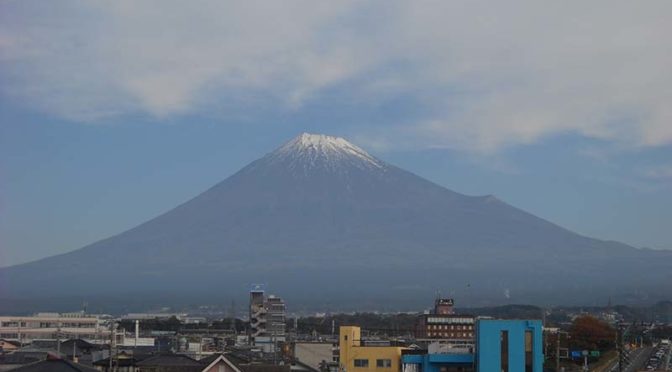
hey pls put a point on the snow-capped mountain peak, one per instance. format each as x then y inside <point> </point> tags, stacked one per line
<point>313,149</point>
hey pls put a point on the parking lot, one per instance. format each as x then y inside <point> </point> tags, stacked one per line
<point>660,358</point>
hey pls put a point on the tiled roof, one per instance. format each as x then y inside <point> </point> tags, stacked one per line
<point>53,364</point>
<point>172,360</point>
<point>264,368</point>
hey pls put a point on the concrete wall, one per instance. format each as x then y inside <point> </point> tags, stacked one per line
<point>313,353</point>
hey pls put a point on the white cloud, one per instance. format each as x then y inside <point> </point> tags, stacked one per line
<point>488,74</point>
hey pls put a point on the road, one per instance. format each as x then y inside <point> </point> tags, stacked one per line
<point>638,359</point>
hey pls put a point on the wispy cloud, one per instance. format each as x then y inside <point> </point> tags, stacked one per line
<point>487,74</point>
<point>658,173</point>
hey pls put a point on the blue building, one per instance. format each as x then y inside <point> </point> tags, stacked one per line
<point>509,345</point>
<point>501,346</point>
<point>439,362</point>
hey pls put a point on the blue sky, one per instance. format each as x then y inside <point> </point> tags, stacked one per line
<point>114,111</point>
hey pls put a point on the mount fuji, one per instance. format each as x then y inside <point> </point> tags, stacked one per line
<point>323,223</point>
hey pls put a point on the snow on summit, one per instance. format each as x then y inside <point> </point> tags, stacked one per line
<point>314,150</point>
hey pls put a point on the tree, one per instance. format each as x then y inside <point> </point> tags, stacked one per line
<point>590,333</point>
<point>170,324</point>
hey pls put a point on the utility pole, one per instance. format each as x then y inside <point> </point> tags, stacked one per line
<point>18,331</point>
<point>619,346</point>
<point>557,347</point>
<point>113,334</point>
<point>233,317</point>
<point>58,339</point>
<point>275,352</point>
<point>111,343</point>
<point>544,333</point>
<point>557,351</point>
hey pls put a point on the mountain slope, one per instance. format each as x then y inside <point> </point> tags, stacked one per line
<point>321,217</point>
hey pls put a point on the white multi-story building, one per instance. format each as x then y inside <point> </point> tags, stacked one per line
<point>267,320</point>
<point>52,326</point>
<point>276,317</point>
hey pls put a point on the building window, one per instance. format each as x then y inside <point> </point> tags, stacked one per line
<point>529,337</point>
<point>384,363</point>
<point>504,351</point>
<point>362,363</point>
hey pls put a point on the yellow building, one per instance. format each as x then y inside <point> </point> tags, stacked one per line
<point>354,356</point>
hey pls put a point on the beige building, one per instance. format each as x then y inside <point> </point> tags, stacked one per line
<point>50,326</point>
<point>356,356</point>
